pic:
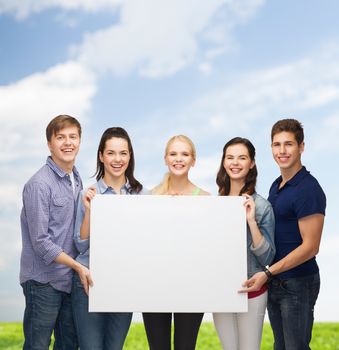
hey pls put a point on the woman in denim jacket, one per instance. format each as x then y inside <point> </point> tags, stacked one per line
<point>237,176</point>
<point>115,176</point>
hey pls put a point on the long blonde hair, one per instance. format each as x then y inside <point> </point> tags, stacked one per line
<point>163,187</point>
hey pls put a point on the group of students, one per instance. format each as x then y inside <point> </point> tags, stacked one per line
<point>283,237</point>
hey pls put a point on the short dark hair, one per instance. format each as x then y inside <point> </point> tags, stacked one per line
<point>223,180</point>
<point>289,125</point>
<point>121,133</point>
<point>60,122</point>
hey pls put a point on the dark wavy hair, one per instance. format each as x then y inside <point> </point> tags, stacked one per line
<point>223,179</point>
<point>121,133</point>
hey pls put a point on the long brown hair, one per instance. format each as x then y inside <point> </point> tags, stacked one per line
<point>121,133</point>
<point>223,180</point>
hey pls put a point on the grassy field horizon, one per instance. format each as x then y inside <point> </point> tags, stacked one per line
<point>325,337</point>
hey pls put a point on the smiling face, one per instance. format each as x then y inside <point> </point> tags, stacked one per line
<point>64,146</point>
<point>179,157</point>
<point>115,157</point>
<point>237,162</point>
<point>287,152</point>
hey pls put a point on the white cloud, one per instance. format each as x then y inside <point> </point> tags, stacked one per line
<point>205,68</point>
<point>27,105</point>
<point>246,8</point>
<point>297,88</point>
<point>242,9</point>
<point>158,38</point>
<point>155,38</point>
<point>24,8</point>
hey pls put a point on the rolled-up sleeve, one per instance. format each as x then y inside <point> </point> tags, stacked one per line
<point>265,251</point>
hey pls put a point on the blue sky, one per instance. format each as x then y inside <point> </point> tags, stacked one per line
<point>209,69</point>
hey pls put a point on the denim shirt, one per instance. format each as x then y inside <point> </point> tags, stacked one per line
<point>82,245</point>
<point>262,254</point>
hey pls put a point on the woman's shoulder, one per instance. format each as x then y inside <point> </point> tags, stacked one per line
<point>94,185</point>
<point>261,202</point>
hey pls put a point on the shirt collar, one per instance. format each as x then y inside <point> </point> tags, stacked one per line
<point>58,170</point>
<point>296,179</point>
<point>103,188</point>
<point>55,167</point>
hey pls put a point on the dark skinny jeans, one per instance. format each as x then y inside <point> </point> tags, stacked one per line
<point>158,330</point>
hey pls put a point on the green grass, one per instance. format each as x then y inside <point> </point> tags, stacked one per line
<point>325,337</point>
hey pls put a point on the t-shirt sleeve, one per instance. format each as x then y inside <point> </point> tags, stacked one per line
<point>311,200</point>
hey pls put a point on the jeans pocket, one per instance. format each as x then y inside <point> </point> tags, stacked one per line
<point>292,287</point>
<point>304,289</point>
<point>77,282</point>
<point>79,285</point>
<point>31,285</point>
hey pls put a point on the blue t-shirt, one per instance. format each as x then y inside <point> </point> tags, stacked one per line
<point>299,197</point>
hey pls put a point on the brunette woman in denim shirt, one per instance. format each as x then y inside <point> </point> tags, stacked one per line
<point>114,175</point>
<point>237,176</point>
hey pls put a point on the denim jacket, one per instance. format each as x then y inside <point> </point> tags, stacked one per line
<point>263,254</point>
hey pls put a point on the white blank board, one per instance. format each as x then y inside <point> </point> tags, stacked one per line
<point>167,254</point>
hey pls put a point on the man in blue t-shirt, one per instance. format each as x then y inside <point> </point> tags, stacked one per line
<point>299,206</point>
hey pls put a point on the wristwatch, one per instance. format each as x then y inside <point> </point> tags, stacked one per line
<point>268,273</point>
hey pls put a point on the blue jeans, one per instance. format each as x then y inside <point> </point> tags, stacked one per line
<point>48,310</point>
<point>290,308</point>
<point>97,330</point>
